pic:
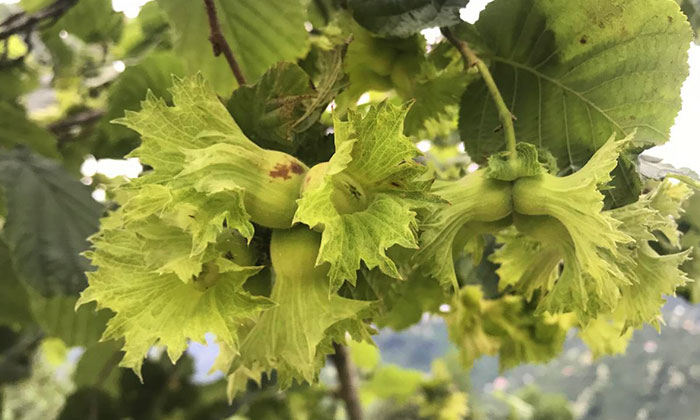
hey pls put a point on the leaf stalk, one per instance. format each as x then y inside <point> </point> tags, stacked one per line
<point>472,60</point>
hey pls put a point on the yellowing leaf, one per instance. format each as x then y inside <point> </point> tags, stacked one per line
<point>652,275</point>
<point>161,309</point>
<point>603,337</point>
<point>506,326</point>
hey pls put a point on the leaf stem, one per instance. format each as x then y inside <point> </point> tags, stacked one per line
<point>348,382</point>
<point>472,60</point>
<point>219,43</point>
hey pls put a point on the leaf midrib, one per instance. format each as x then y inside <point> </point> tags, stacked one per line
<point>563,87</point>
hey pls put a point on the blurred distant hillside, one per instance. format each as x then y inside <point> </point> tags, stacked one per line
<point>657,379</point>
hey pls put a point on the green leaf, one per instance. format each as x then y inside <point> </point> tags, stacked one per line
<point>98,360</point>
<point>364,197</point>
<point>525,264</point>
<point>58,317</point>
<point>433,83</point>
<point>15,81</point>
<point>572,73</point>
<point>436,94</point>
<point>155,306</point>
<point>364,355</point>
<point>403,18</point>
<point>652,275</point>
<point>49,217</point>
<point>506,327</point>
<point>14,301</point>
<point>153,73</point>
<point>406,301</point>
<point>196,120</point>
<point>147,32</point>
<point>603,337</point>
<point>90,400</point>
<point>16,350</point>
<point>281,105</point>
<point>259,33</point>
<point>17,130</point>
<point>692,9</point>
<point>392,382</point>
<point>92,21</point>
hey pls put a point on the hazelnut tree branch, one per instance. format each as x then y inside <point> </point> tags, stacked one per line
<point>347,377</point>
<point>219,44</point>
<point>23,24</point>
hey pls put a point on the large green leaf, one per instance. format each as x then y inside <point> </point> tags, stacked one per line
<point>405,17</point>
<point>574,72</point>
<point>283,104</point>
<point>260,34</point>
<point>49,217</point>
<point>92,21</point>
<point>15,80</point>
<point>16,129</point>
<point>95,363</point>
<point>58,317</point>
<point>14,302</point>
<point>692,9</point>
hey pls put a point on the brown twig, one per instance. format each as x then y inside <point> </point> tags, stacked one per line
<point>219,44</point>
<point>23,22</point>
<point>348,382</point>
<point>108,367</point>
<point>79,119</point>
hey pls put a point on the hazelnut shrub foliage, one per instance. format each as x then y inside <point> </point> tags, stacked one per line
<point>289,213</point>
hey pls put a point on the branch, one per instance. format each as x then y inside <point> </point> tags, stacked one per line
<point>107,368</point>
<point>73,126</point>
<point>348,382</point>
<point>24,23</point>
<point>472,60</point>
<point>81,118</point>
<point>219,44</point>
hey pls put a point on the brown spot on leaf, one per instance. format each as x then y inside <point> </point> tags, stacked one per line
<point>583,39</point>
